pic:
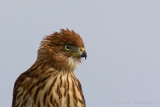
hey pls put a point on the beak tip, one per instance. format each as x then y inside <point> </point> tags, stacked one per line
<point>84,55</point>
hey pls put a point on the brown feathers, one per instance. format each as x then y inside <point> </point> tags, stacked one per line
<point>50,82</point>
<point>63,37</point>
<point>52,49</point>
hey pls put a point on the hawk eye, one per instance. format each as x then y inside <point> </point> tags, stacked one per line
<point>68,47</point>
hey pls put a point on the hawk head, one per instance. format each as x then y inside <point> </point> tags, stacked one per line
<point>63,50</point>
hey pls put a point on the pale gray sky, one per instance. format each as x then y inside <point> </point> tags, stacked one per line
<point>122,38</point>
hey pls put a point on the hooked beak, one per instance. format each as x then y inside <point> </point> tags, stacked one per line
<point>84,54</point>
<point>80,52</point>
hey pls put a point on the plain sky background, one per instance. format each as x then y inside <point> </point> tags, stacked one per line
<point>122,39</point>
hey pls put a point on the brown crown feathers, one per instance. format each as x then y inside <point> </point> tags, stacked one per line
<point>52,50</point>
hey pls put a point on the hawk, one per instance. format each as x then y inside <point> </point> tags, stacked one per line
<point>50,81</point>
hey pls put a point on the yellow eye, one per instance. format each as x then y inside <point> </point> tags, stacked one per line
<point>68,47</point>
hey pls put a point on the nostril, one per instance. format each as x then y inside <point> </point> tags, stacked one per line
<point>81,49</point>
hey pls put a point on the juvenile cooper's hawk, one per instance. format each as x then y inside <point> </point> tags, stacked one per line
<point>50,82</point>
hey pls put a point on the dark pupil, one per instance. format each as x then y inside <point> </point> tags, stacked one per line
<point>68,47</point>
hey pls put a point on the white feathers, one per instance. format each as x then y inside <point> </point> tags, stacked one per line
<point>72,63</point>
